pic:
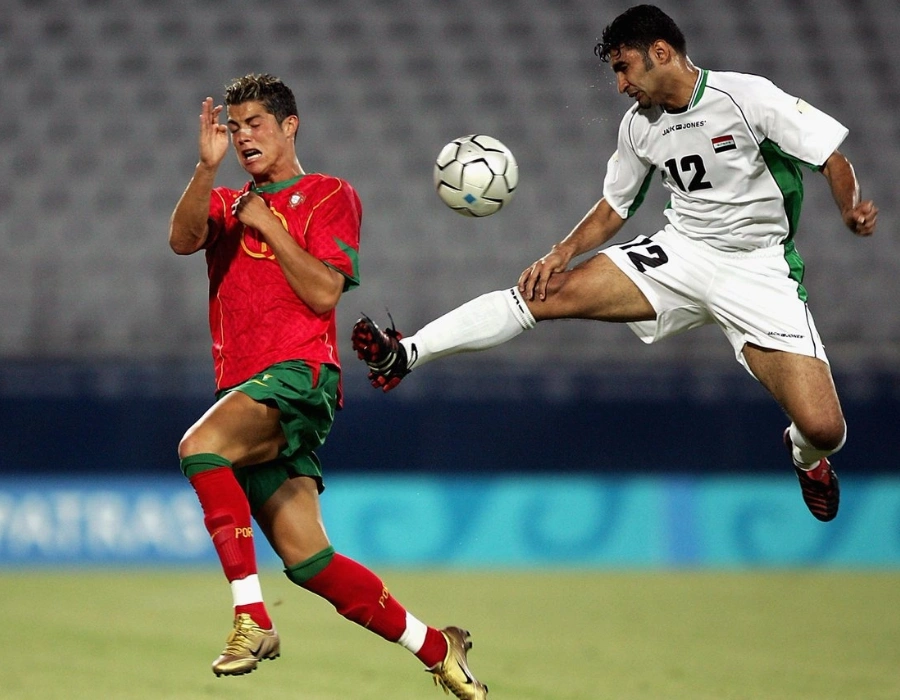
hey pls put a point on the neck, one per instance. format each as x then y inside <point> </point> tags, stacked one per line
<point>279,173</point>
<point>684,79</point>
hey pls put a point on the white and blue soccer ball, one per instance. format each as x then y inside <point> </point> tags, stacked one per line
<point>476,175</point>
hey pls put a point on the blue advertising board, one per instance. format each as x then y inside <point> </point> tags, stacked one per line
<point>500,521</point>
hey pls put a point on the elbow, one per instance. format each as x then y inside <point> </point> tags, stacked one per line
<point>179,248</point>
<point>184,242</point>
<point>325,299</point>
<point>324,303</point>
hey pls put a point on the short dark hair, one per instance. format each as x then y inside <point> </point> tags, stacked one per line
<point>274,95</point>
<point>637,28</point>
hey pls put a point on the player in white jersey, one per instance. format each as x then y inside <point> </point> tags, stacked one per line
<point>730,148</point>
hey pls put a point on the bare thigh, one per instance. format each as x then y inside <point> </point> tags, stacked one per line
<point>804,388</point>
<point>595,289</point>
<point>237,428</point>
<point>291,520</point>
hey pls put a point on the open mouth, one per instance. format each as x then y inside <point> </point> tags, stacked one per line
<point>251,154</point>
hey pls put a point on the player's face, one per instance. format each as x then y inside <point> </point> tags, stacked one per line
<point>264,148</point>
<point>633,76</point>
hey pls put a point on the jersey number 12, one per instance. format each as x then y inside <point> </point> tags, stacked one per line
<point>689,164</point>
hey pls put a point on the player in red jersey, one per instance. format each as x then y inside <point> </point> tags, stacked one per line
<point>280,252</point>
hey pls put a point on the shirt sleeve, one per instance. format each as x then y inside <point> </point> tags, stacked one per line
<point>795,126</point>
<point>220,202</point>
<point>627,174</point>
<point>333,234</point>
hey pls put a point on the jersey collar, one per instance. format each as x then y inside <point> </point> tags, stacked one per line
<point>699,87</point>
<point>273,187</point>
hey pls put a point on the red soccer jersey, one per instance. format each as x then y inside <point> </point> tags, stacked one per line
<point>255,317</point>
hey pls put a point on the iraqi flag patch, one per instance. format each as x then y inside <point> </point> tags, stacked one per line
<point>721,144</point>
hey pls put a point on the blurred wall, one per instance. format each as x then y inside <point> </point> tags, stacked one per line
<point>104,341</point>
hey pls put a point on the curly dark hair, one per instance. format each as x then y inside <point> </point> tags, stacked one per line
<point>275,96</point>
<point>637,28</point>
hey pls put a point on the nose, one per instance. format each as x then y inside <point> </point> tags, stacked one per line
<point>621,83</point>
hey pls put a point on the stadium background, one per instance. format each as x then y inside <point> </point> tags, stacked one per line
<point>104,356</point>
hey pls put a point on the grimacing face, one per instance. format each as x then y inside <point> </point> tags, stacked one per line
<point>633,76</point>
<point>262,145</point>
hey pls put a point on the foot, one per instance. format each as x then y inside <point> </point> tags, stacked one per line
<point>247,645</point>
<point>819,485</point>
<point>453,674</point>
<point>382,351</point>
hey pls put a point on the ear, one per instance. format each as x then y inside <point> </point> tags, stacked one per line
<point>290,125</point>
<point>661,52</point>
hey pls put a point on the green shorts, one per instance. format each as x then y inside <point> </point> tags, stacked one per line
<point>307,411</point>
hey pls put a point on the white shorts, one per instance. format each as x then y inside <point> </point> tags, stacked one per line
<point>754,296</point>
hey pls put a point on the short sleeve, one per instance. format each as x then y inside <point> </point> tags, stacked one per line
<point>219,210</point>
<point>795,126</point>
<point>333,233</point>
<point>627,174</point>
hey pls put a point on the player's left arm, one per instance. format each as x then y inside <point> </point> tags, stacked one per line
<point>859,216</point>
<point>315,283</point>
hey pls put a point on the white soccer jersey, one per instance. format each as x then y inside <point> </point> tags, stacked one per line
<point>731,160</point>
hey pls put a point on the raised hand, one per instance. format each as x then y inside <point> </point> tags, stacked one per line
<point>214,137</point>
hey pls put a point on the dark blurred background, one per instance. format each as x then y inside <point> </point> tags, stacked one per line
<point>104,348</point>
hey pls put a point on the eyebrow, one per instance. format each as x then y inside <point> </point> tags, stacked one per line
<point>232,120</point>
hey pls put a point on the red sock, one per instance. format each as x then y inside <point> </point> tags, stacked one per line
<point>359,595</point>
<point>227,518</point>
<point>434,650</point>
<point>258,613</point>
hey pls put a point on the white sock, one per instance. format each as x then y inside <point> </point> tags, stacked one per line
<point>805,455</point>
<point>413,636</point>
<point>246,590</point>
<point>479,324</point>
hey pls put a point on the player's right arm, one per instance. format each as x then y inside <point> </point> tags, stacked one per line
<point>627,176</point>
<point>598,226</point>
<point>189,225</point>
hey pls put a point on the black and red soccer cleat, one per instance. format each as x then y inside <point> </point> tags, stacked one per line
<point>820,487</point>
<point>382,352</point>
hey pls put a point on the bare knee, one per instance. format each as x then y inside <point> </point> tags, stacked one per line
<point>824,434</point>
<point>192,444</point>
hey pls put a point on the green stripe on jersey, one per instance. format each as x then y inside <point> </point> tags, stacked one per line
<point>642,193</point>
<point>699,88</point>
<point>786,171</point>
<point>797,267</point>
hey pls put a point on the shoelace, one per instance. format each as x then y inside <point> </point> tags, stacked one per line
<point>239,639</point>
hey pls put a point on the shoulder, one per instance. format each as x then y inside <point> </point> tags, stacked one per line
<point>221,198</point>
<point>636,122</point>
<point>740,85</point>
<point>323,184</point>
<point>226,192</point>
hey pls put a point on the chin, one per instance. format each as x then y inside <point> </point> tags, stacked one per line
<point>255,169</point>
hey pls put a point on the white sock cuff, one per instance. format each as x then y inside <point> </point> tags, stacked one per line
<point>246,590</point>
<point>520,308</point>
<point>413,637</point>
<point>804,453</point>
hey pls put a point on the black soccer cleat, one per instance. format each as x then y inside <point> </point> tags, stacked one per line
<point>820,486</point>
<point>382,351</point>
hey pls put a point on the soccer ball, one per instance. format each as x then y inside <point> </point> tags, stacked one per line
<point>475,175</point>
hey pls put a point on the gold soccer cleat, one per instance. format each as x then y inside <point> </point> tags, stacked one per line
<point>453,674</point>
<point>247,645</point>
